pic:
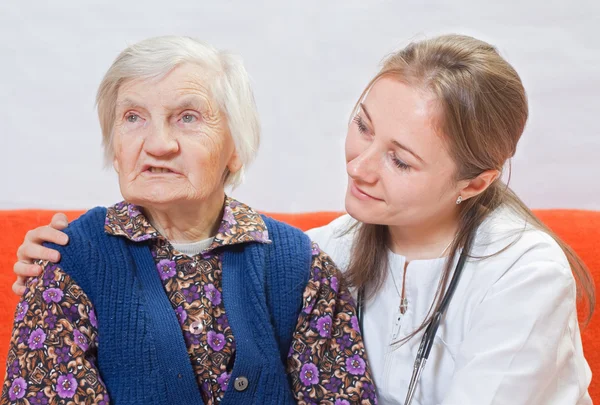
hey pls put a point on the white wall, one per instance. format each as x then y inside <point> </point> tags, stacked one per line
<point>309,61</point>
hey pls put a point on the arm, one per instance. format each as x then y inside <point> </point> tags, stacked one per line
<point>52,349</point>
<point>327,361</point>
<point>32,250</point>
<point>521,347</point>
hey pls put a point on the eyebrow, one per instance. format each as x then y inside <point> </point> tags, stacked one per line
<point>191,102</point>
<point>129,103</point>
<point>398,144</point>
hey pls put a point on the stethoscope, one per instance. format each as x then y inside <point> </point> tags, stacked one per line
<point>431,329</point>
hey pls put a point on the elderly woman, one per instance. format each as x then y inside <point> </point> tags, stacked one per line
<point>180,294</point>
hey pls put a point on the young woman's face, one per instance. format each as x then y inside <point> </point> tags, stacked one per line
<point>399,171</point>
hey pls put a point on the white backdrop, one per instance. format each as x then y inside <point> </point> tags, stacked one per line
<point>309,61</point>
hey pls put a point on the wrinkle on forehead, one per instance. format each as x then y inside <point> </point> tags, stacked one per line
<point>169,90</point>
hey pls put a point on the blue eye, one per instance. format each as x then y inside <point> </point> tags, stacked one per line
<point>188,118</point>
<point>132,118</point>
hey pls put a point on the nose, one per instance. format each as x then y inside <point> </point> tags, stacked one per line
<point>365,166</point>
<point>160,142</point>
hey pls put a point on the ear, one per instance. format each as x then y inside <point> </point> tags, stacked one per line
<point>116,164</point>
<point>479,184</point>
<point>235,163</point>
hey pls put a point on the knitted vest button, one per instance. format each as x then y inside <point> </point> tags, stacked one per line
<point>240,384</point>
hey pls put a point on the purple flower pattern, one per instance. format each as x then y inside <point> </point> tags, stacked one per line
<point>66,385</point>
<point>37,339</point>
<point>327,361</point>
<point>48,276</point>
<point>23,335</point>
<point>334,283</point>
<point>52,295</point>
<point>194,288</point>
<point>22,308</point>
<point>216,340</point>
<point>333,385</point>
<point>344,342</point>
<point>51,299</point>
<point>223,381</point>
<point>93,319</point>
<point>184,280</point>
<point>63,354</point>
<point>354,323</point>
<point>80,340</point>
<point>213,294</point>
<point>39,399</point>
<point>17,389</point>
<point>309,374</point>
<point>356,365</point>
<point>50,320</point>
<point>191,294</point>
<point>166,268</point>
<point>181,315</point>
<point>72,313</point>
<point>324,326</point>
<point>13,369</point>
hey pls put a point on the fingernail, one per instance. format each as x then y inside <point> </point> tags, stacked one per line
<point>62,223</point>
<point>55,257</point>
<point>65,239</point>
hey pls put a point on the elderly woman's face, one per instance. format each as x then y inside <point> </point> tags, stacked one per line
<point>172,144</point>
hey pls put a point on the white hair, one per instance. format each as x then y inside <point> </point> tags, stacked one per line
<point>156,57</point>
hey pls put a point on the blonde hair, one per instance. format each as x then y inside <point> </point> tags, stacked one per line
<point>155,57</point>
<point>482,109</point>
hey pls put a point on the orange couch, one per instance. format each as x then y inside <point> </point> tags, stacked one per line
<point>580,229</point>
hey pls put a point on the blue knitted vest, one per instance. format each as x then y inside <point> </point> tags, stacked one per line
<point>142,356</point>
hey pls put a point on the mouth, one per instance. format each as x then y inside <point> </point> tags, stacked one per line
<point>158,170</point>
<point>360,194</point>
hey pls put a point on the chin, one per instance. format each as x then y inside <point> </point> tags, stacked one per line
<point>152,196</point>
<point>360,210</point>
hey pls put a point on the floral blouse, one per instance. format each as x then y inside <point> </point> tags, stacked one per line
<point>54,342</point>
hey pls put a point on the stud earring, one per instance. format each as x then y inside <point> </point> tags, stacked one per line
<point>459,200</point>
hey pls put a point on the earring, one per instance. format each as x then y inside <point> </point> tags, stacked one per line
<point>459,200</point>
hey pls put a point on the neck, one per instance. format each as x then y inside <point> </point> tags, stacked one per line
<point>424,241</point>
<point>187,223</point>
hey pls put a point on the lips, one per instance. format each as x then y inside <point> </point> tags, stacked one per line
<point>360,194</point>
<point>158,170</point>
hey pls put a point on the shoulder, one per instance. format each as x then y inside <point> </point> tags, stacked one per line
<point>335,228</point>
<point>510,246</point>
<point>336,238</point>
<point>91,222</point>
<point>85,236</point>
<point>281,232</point>
<point>289,245</point>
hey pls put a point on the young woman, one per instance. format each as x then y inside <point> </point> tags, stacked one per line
<point>434,238</point>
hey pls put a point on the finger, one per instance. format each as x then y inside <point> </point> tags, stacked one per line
<point>46,234</point>
<point>29,252</point>
<point>18,289</point>
<point>59,221</point>
<point>27,270</point>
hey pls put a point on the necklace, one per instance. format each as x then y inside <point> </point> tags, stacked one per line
<point>403,300</point>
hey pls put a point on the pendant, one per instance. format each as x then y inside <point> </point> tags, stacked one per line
<point>403,305</point>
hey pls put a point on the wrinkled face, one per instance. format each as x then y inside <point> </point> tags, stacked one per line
<point>172,144</point>
<point>400,173</point>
